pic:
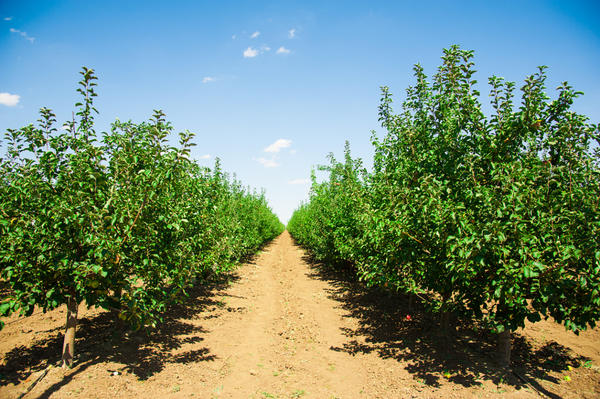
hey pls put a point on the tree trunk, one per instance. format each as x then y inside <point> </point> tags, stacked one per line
<point>69,342</point>
<point>411,301</point>
<point>447,324</point>
<point>504,348</point>
<point>117,298</point>
<point>447,331</point>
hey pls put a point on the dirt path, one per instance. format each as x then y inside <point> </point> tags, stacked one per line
<point>283,327</point>
<point>281,345</point>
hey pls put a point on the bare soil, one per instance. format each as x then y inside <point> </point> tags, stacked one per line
<point>281,326</point>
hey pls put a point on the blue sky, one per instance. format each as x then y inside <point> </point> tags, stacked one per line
<point>272,87</point>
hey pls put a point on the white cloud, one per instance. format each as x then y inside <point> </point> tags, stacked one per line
<point>233,37</point>
<point>299,181</point>
<point>10,100</point>
<point>23,34</point>
<point>292,33</point>
<point>208,79</point>
<point>250,53</point>
<point>278,145</point>
<point>205,156</point>
<point>8,18</point>
<point>265,48</point>
<point>283,50</point>
<point>255,35</point>
<point>267,163</point>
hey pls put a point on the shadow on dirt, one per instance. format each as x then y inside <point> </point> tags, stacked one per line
<point>466,359</point>
<point>103,339</point>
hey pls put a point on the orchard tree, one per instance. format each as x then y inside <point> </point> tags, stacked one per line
<point>53,197</point>
<point>488,218</point>
<point>125,222</point>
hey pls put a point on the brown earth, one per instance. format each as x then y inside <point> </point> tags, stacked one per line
<point>281,326</point>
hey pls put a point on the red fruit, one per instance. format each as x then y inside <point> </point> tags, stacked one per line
<point>408,318</point>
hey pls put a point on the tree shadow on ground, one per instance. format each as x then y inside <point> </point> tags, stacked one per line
<point>103,339</point>
<point>465,359</point>
<point>252,254</point>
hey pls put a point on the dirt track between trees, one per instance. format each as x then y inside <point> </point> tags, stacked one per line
<point>281,326</point>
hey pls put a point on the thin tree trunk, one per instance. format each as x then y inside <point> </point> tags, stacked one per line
<point>116,311</point>
<point>444,323</point>
<point>504,348</point>
<point>447,331</point>
<point>446,315</point>
<point>117,298</point>
<point>68,352</point>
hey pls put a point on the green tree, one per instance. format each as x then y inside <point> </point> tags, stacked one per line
<point>488,218</point>
<point>124,221</point>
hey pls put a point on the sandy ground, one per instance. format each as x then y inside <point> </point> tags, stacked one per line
<point>281,326</point>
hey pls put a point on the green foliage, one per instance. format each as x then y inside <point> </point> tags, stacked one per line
<point>328,224</point>
<point>121,220</point>
<point>494,218</point>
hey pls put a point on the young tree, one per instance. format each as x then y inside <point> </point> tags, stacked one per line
<point>126,222</point>
<point>494,219</point>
